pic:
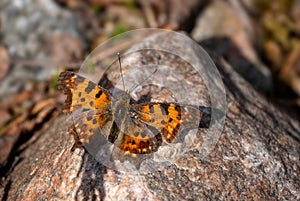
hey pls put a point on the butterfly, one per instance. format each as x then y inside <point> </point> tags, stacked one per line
<point>133,127</point>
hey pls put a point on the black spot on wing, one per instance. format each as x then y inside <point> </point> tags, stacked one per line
<point>151,108</point>
<point>99,94</point>
<point>164,109</point>
<point>79,79</point>
<point>177,107</point>
<point>144,134</point>
<point>90,87</point>
<point>91,103</point>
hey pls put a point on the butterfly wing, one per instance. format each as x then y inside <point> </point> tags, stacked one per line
<point>171,118</point>
<point>82,93</point>
<point>135,143</point>
<point>89,103</point>
<point>137,139</point>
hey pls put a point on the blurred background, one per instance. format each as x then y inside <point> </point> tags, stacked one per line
<point>40,38</point>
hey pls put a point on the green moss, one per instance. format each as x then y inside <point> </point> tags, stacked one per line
<point>96,8</point>
<point>279,6</point>
<point>5,123</point>
<point>55,81</point>
<point>90,67</point>
<point>131,5</point>
<point>2,126</point>
<point>295,42</point>
<point>118,30</point>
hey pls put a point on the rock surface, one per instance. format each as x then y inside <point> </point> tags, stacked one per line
<point>229,21</point>
<point>33,31</point>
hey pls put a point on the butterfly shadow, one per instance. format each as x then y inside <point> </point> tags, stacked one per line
<point>91,174</point>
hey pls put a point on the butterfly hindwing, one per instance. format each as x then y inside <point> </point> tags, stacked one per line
<point>91,124</point>
<point>134,139</point>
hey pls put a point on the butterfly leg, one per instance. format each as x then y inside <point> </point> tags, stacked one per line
<point>78,142</point>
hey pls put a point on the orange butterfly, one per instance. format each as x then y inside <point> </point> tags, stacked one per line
<point>135,128</point>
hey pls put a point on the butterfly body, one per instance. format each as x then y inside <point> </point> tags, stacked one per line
<point>120,109</point>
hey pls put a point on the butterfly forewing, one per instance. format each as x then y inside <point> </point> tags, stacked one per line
<point>168,118</point>
<point>89,103</point>
<point>82,93</point>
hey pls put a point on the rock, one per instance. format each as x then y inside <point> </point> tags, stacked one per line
<point>5,61</point>
<point>64,50</point>
<point>4,116</point>
<point>172,14</point>
<point>27,27</point>
<point>296,16</point>
<point>229,20</point>
<point>289,72</point>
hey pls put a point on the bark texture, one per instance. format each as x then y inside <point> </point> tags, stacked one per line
<point>256,158</point>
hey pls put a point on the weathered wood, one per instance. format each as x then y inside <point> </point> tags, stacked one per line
<point>256,158</point>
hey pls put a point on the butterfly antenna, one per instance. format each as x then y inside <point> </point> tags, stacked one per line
<point>133,88</point>
<point>119,58</point>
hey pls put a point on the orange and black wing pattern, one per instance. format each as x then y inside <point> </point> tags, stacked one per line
<point>138,139</point>
<point>89,103</point>
<point>140,132</point>
<point>82,93</point>
<point>168,118</point>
